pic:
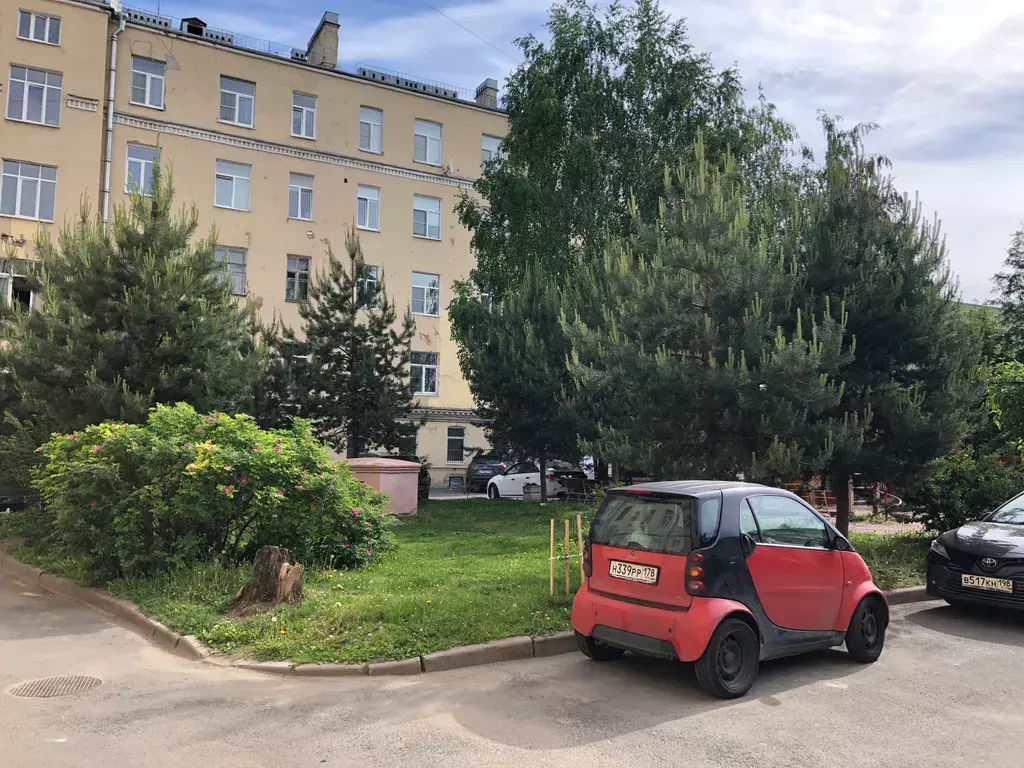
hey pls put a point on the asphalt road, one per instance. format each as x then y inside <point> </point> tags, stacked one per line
<point>947,691</point>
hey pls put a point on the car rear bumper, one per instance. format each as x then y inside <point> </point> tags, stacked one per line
<point>666,632</point>
<point>944,580</point>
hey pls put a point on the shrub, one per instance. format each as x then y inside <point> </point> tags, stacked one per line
<point>184,487</point>
<point>961,488</point>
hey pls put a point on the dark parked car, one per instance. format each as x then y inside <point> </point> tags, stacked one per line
<point>982,562</point>
<point>482,468</point>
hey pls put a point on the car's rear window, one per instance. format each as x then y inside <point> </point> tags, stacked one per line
<point>672,525</point>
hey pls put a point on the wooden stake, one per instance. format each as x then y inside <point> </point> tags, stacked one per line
<point>551,560</point>
<point>568,584</point>
<point>579,542</point>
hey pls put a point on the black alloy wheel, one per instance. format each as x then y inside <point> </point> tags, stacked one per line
<point>728,666</point>
<point>865,636</point>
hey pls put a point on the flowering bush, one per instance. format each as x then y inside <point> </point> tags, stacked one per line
<point>187,487</point>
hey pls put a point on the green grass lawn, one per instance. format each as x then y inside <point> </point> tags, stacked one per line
<point>464,572</point>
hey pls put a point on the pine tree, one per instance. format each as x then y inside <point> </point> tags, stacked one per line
<point>1010,284</point>
<point>355,386</point>
<point>130,317</point>
<point>687,369</point>
<point>912,382</point>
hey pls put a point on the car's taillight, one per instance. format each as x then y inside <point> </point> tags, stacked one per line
<point>588,563</point>
<point>695,574</point>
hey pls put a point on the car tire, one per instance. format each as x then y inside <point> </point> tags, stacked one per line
<point>865,637</point>
<point>597,651</point>
<point>492,492</point>
<point>729,664</point>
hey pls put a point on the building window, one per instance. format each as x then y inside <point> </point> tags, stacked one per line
<point>147,83</point>
<point>233,260</point>
<point>423,373</point>
<point>232,185</point>
<point>237,101</point>
<point>371,129</point>
<point>426,294</point>
<point>427,142</point>
<point>296,280</point>
<point>487,300</point>
<point>368,286</point>
<point>426,217</point>
<point>138,176</point>
<point>303,115</point>
<point>28,191</point>
<point>300,196</point>
<point>35,26</point>
<point>368,208</point>
<point>490,148</point>
<point>34,96</point>
<point>456,445</point>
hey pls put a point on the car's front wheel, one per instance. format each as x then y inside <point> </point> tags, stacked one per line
<point>492,492</point>
<point>597,651</point>
<point>728,666</point>
<point>865,636</point>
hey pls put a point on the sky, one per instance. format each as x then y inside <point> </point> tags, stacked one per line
<point>943,79</point>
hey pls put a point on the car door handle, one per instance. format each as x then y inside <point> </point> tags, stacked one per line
<point>747,544</point>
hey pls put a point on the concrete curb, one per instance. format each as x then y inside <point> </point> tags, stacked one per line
<point>189,647</point>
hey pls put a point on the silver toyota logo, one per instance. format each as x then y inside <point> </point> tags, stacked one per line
<point>989,563</point>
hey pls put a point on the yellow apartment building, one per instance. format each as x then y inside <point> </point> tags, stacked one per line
<point>279,149</point>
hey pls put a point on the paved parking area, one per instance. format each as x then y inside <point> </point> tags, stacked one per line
<point>947,690</point>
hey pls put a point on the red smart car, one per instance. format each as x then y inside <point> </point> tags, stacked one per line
<point>724,575</point>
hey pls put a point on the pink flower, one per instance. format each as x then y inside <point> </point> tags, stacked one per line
<point>302,487</point>
<point>227,467</point>
<point>354,511</point>
<point>92,503</point>
<point>190,468</point>
<point>280,493</point>
<point>228,490</point>
<point>187,446</point>
<point>199,430</point>
<point>256,447</point>
<point>345,546</point>
<point>207,420</point>
<point>368,552</point>
<point>39,449</point>
<point>311,505</point>
<point>332,486</point>
<point>243,480</point>
<point>277,448</point>
<point>74,436</point>
<point>61,517</point>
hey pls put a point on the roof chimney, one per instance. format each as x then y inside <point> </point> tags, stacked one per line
<point>487,93</point>
<point>323,45</point>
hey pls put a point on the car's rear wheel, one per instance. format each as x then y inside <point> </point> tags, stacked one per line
<point>492,492</point>
<point>597,651</point>
<point>865,637</point>
<point>728,666</point>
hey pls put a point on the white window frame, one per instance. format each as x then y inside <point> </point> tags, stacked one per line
<point>25,85</point>
<point>5,168</point>
<point>6,288</point>
<point>490,148</point>
<point>306,115</point>
<point>371,197</point>
<point>293,275</point>
<point>418,378</point>
<point>461,440</point>
<point>35,19</point>
<point>226,173</point>
<point>300,188</point>
<point>370,277</point>
<point>223,254</point>
<point>432,145</point>
<point>142,163</point>
<point>418,202</point>
<point>150,79</point>
<point>427,292</point>
<point>226,82</point>
<point>367,117</point>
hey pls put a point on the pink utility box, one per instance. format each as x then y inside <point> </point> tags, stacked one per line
<point>398,479</point>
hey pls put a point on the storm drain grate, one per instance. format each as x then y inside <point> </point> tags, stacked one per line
<point>48,687</point>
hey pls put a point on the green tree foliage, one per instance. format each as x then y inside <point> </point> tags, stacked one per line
<point>912,382</point>
<point>594,116</point>
<point>1010,285</point>
<point>1006,405</point>
<point>688,370</point>
<point>355,386</point>
<point>185,487</point>
<point>131,317</point>
<point>959,488</point>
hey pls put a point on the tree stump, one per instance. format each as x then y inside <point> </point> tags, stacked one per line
<point>274,580</point>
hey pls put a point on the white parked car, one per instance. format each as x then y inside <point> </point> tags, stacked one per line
<point>509,484</point>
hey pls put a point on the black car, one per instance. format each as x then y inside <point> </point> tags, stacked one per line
<point>982,562</point>
<point>482,468</point>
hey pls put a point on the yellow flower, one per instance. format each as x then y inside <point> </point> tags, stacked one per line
<point>282,632</point>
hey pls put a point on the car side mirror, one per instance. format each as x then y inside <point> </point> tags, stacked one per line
<point>747,544</point>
